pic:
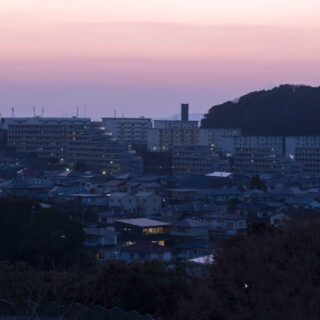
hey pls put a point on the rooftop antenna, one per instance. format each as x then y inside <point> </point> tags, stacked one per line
<point>12,112</point>
<point>85,108</point>
<point>77,112</point>
<point>115,114</point>
<point>34,111</point>
<point>42,112</point>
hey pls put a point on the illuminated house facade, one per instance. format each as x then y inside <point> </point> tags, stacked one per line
<point>142,229</point>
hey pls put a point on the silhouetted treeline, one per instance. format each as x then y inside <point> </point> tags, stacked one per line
<point>269,273</point>
<point>285,110</point>
<point>43,237</point>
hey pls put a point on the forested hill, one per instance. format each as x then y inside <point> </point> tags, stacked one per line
<point>285,110</point>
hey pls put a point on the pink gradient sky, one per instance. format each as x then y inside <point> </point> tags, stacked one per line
<point>145,57</point>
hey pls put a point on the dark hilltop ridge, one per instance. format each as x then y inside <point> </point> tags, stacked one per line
<point>292,110</point>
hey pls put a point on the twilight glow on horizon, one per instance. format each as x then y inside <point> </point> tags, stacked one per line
<point>145,57</point>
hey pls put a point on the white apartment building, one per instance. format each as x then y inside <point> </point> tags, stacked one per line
<point>194,160</point>
<point>166,134</point>
<point>129,130</point>
<point>213,137</point>
<point>305,150</point>
<point>71,140</point>
<point>175,124</point>
<point>259,154</point>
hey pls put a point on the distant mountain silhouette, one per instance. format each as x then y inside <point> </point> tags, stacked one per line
<point>177,116</point>
<point>284,110</point>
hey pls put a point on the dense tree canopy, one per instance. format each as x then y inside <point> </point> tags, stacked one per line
<point>285,110</point>
<point>267,274</point>
<point>40,236</point>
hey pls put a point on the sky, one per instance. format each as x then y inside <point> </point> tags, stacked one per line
<point>145,57</point>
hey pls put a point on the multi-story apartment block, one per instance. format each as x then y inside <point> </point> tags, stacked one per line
<point>213,137</point>
<point>193,160</point>
<point>3,140</point>
<point>166,133</point>
<point>71,140</point>
<point>128,130</point>
<point>259,154</point>
<point>175,125</point>
<point>305,150</point>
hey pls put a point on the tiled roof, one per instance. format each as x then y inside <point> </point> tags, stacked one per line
<point>189,223</point>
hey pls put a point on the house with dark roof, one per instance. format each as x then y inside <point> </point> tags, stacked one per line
<point>225,223</point>
<point>180,195</point>
<point>255,211</point>
<point>101,243</point>
<point>123,200</point>
<point>142,229</point>
<point>145,250</point>
<point>193,248</point>
<point>103,184</point>
<point>148,203</point>
<point>187,229</point>
<point>220,195</point>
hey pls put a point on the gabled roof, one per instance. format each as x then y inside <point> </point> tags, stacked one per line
<point>125,176</point>
<point>99,179</point>
<point>223,191</point>
<point>220,174</point>
<point>119,194</point>
<point>223,216</point>
<point>147,178</point>
<point>191,223</point>
<point>114,183</point>
<point>145,194</point>
<point>203,260</point>
<point>251,206</point>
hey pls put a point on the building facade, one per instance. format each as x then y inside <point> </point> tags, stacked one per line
<point>142,229</point>
<point>306,151</point>
<point>166,134</point>
<point>128,130</point>
<point>258,154</point>
<point>72,140</point>
<point>191,159</point>
<point>213,137</point>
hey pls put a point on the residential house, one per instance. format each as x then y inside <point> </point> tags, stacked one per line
<point>225,223</point>
<point>187,229</point>
<point>148,203</point>
<point>123,200</point>
<point>101,243</point>
<point>191,249</point>
<point>181,195</point>
<point>255,211</point>
<point>220,195</point>
<point>143,251</point>
<point>142,229</point>
<point>87,199</point>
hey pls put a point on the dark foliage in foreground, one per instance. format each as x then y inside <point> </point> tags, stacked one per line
<point>285,110</point>
<point>267,274</point>
<point>42,237</point>
<point>149,287</point>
